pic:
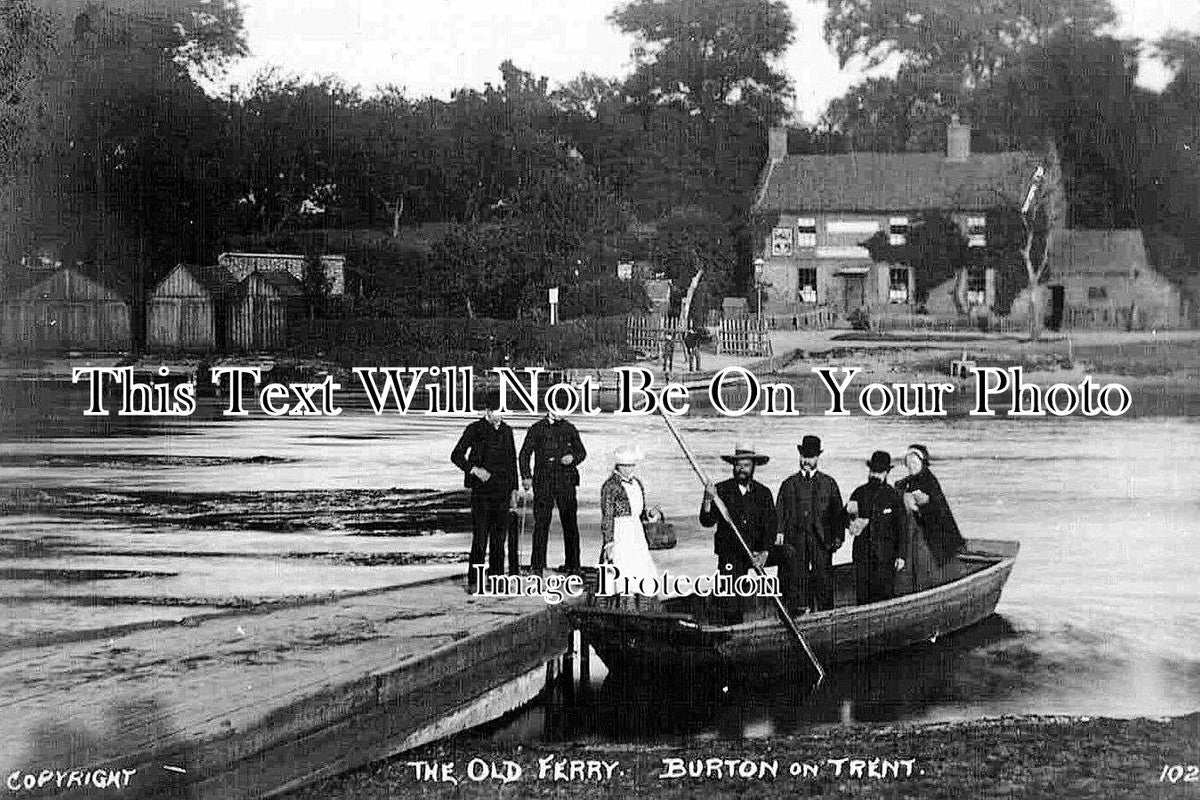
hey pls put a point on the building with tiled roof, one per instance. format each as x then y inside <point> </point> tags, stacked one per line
<point>814,212</point>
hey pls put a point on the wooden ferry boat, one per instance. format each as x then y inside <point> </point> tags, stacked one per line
<point>696,633</point>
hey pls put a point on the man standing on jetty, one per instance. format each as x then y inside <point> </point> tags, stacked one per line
<point>813,521</point>
<point>752,509</point>
<point>487,454</point>
<point>879,525</point>
<point>557,453</point>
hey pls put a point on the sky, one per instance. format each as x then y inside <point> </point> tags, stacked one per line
<point>431,47</point>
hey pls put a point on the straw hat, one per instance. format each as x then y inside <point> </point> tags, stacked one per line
<point>627,454</point>
<point>742,450</point>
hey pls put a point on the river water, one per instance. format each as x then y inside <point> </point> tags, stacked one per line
<point>1100,617</point>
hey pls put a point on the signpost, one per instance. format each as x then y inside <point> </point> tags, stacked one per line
<point>554,305</point>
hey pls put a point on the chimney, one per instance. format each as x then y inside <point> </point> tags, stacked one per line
<point>958,140</point>
<point>777,139</point>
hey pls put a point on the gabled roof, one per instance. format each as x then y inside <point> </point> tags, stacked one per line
<point>1096,252</point>
<point>78,281</point>
<point>883,182</point>
<point>215,280</point>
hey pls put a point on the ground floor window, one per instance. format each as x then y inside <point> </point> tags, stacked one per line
<point>1097,293</point>
<point>808,286</point>
<point>976,286</point>
<point>898,285</point>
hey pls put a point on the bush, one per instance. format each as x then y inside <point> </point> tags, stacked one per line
<point>860,319</point>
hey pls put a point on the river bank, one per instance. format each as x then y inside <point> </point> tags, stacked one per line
<point>1021,756</point>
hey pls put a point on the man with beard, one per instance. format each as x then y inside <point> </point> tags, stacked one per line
<point>813,521</point>
<point>752,509</point>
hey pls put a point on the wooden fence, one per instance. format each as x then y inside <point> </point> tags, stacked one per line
<point>647,334</point>
<point>932,324</point>
<point>745,336</point>
<point>812,319</point>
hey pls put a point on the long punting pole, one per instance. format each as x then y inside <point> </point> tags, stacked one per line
<point>784,616</point>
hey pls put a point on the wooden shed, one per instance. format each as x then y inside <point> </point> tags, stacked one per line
<point>66,310</point>
<point>189,309</point>
<point>267,305</point>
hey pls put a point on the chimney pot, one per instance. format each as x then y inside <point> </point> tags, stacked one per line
<point>958,140</point>
<point>777,143</point>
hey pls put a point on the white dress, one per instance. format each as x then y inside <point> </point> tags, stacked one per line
<point>630,554</point>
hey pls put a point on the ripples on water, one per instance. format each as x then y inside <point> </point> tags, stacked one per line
<point>1101,614</point>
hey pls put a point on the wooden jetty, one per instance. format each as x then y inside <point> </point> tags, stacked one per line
<point>253,702</point>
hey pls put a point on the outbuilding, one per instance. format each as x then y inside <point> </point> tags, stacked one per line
<point>188,309</point>
<point>66,310</point>
<point>267,304</point>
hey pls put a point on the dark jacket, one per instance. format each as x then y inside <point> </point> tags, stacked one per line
<point>810,512</point>
<point>493,449</point>
<point>887,521</point>
<point>548,443</point>
<point>936,521</point>
<point>614,502</point>
<point>754,514</point>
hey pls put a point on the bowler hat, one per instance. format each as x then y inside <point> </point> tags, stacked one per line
<point>880,461</point>
<point>742,450</point>
<point>810,446</point>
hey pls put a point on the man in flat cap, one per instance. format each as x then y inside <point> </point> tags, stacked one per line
<point>812,520</point>
<point>752,509</point>
<point>879,526</point>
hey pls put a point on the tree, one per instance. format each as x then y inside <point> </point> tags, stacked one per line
<point>934,248</point>
<point>127,171</point>
<point>559,227</point>
<point>705,54</point>
<point>973,40</point>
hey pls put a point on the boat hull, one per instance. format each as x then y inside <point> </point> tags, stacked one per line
<point>628,641</point>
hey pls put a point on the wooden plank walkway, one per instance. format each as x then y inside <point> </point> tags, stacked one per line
<point>240,705</point>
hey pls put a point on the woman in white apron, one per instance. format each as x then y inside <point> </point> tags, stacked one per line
<point>622,511</point>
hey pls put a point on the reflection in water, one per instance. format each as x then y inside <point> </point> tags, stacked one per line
<point>903,685</point>
<point>1103,616</point>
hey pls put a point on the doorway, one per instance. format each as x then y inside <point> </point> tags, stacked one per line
<point>1058,305</point>
<point>854,291</point>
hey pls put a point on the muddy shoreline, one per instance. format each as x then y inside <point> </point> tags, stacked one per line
<point>1025,756</point>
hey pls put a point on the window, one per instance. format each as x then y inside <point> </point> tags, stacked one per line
<point>898,285</point>
<point>781,242</point>
<point>976,286</point>
<point>976,231</point>
<point>806,232</point>
<point>1097,293</point>
<point>897,231</point>
<point>807,281</point>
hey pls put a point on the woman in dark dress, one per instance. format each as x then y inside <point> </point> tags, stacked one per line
<point>934,538</point>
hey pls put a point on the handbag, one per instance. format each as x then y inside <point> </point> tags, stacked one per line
<point>660,534</point>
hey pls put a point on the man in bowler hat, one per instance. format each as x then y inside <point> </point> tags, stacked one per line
<point>812,520</point>
<point>879,527</point>
<point>487,455</point>
<point>557,451</point>
<point>752,509</point>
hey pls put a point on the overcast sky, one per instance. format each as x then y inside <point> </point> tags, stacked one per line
<point>431,47</point>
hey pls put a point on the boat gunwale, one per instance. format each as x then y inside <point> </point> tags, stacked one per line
<point>913,599</point>
<point>815,620</point>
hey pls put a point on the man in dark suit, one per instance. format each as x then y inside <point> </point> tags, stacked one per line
<point>752,509</point>
<point>879,527</point>
<point>487,455</point>
<point>812,520</point>
<point>557,453</point>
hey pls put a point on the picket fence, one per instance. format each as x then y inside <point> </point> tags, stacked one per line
<point>744,336</point>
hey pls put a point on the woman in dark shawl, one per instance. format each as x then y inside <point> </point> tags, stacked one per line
<point>934,540</point>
